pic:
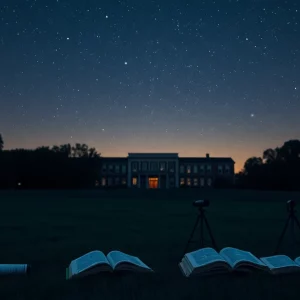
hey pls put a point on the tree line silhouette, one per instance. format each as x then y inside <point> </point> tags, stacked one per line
<point>79,166</point>
<point>63,166</point>
<point>277,169</point>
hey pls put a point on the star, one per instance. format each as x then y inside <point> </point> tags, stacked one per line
<point>125,63</point>
<point>252,115</point>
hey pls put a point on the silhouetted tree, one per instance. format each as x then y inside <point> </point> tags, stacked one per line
<point>271,155</point>
<point>278,169</point>
<point>93,153</point>
<point>80,150</point>
<point>252,164</point>
<point>1,143</point>
<point>50,167</point>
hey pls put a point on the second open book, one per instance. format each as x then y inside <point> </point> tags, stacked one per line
<point>96,262</point>
<point>208,261</point>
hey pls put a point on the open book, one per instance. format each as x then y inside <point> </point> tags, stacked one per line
<point>208,261</point>
<point>96,262</point>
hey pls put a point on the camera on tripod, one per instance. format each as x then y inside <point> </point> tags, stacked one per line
<point>201,203</point>
<point>290,205</point>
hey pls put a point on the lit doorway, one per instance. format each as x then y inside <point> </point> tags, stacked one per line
<point>153,182</point>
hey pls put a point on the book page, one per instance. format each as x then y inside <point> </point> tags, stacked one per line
<point>88,261</point>
<point>278,261</point>
<point>235,256</point>
<point>117,257</point>
<point>204,257</point>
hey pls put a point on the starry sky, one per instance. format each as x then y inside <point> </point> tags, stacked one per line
<point>193,77</point>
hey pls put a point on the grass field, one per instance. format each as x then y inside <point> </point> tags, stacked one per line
<point>50,228</point>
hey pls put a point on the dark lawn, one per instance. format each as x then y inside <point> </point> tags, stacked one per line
<point>49,229</point>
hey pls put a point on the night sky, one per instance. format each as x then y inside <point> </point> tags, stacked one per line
<point>193,77</point>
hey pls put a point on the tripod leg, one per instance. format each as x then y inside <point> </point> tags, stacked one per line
<point>202,228</point>
<point>282,235</point>
<point>191,236</point>
<point>297,221</point>
<point>292,230</point>
<point>210,234</point>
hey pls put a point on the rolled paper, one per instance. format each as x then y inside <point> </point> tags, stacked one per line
<point>14,269</point>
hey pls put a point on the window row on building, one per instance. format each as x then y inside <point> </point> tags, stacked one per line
<point>153,166</point>
<point>114,168</point>
<point>122,181</point>
<point>203,169</point>
<point>114,181</point>
<point>164,166</point>
<point>199,182</point>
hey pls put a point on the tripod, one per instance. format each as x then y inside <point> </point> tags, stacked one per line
<point>203,221</point>
<point>291,220</point>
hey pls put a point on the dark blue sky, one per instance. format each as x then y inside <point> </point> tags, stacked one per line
<point>194,77</point>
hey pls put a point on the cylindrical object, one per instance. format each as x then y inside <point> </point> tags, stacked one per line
<point>14,269</point>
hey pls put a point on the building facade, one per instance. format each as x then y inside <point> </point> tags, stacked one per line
<point>165,170</point>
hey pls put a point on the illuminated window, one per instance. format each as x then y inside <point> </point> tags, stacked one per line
<point>181,168</point>
<point>117,169</point>
<point>162,166</point>
<point>195,168</point>
<point>134,181</point>
<point>188,182</point>
<point>195,181</point>
<point>188,169</point>
<point>202,182</point>
<point>103,181</point>
<point>182,181</point>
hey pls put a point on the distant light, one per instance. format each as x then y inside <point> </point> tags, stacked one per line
<point>68,38</point>
<point>125,63</point>
<point>252,115</point>
<point>102,129</point>
<point>106,17</point>
<point>295,88</point>
<point>19,183</point>
<point>125,106</point>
